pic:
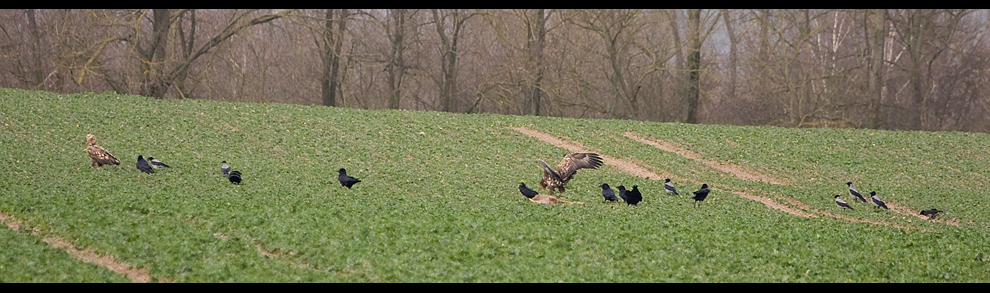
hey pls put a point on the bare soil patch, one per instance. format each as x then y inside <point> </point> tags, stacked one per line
<point>137,275</point>
<point>739,171</point>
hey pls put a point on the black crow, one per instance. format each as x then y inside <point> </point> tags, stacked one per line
<point>854,192</point>
<point>633,197</point>
<point>529,193</point>
<point>700,194</point>
<point>234,177</point>
<point>607,192</point>
<point>623,193</point>
<point>346,181</point>
<point>155,163</point>
<point>841,203</point>
<point>143,165</point>
<point>224,168</point>
<point>670,187</point>
<point>557,178</point>
<point>931,213</point>
<point>876,200</point>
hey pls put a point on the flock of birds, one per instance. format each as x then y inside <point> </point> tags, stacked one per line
<point>553,179</point>
<point>556,179</point>
<point>101,156</point>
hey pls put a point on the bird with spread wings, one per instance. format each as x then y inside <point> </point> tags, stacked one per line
<point>557,178</point>
<point>99,154</point>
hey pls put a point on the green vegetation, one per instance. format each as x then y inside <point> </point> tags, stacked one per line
<point>439,203</point>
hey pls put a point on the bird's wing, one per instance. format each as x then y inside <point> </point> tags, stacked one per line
<point>548,172</point>
<point>101,155</point>
<point>577,161</point>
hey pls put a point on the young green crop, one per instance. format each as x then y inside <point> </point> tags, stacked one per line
<point>438,201</point>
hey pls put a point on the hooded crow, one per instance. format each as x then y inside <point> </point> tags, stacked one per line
<point>670,187</point>
<point>529,193</point>
<point>854,192</point>
<point>234,177</point>
<point>700,194</point>
<point>346,181</point>
<point>876,200</point>
<point>224,168</point>
<point>841,203</point>
<point>607,192</point>
<point>155,163</point>
<point>931,213</point>
<point>143,165</point>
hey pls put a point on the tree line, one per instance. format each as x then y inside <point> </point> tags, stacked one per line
<point>909,69</point>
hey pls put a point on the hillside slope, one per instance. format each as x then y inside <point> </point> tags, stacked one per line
<point>438,201</point>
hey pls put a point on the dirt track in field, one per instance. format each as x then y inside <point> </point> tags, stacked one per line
<point>792,206</point>
<point>137,275</point>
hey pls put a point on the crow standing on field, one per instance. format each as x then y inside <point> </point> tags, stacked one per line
<point>931,213</point>
<point>700,194</point>
<point>155,163</point>
<point>633,197</point>
<point>224,168</point>
<point>346,181</point>
<point>670,187</point>
<point>854,192</point>
<point>841,203</point>
<point>623,193</point>
<point>876,200</point>
<point>607,192</point>
<point>529,193</point>
<point>234,177</point>
<point>143,165</point>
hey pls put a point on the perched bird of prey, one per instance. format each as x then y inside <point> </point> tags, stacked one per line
<point>607,192</point>
<point>557,178</point>
<point>931,213</point>
<point>876,200</point>
<point>143,165</point>
<point>670,187</point>
<point>234,177</point>
<point>700,194</point>
<point>155,163</point>
<point>224,168</point>
<point>854,192</point>
<point>346,181</point>
<point>633,197</point>
<point>841,203</point>
<point>99,154</point>
<point>529,193</point>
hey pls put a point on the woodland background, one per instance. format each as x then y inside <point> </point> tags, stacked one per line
<point>885,69</point>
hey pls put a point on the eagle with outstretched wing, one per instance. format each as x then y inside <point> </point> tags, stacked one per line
<point>99,154</point>
<point>557,178</point>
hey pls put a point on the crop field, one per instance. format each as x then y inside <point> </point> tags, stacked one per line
<point>439,198</point>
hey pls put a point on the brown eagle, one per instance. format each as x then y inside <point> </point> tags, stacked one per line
<point>99,154</point>
<point>557,178</point>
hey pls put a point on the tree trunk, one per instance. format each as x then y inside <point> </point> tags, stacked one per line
<point>333,42</point>
<point>694,65</point>
<point>535,42</point>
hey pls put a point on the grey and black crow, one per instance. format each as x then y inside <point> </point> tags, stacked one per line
<point>529,193</point>
<point>224,168</point>
<point>607,192</point>
<point>841,203</point>
<point>633,197</point>
<point>346,181</point>
<point>670,187</point>
<point>931,213</point>
<point>557,178</point>
<point>876,200</point>
<point>854,192</point>
<point>155,163</point>
<point>623,193</point>
<point>234,177</point>
<point>143,165</point>
<point>700,194</point>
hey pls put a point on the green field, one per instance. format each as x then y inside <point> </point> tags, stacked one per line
<point>439,199</point>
